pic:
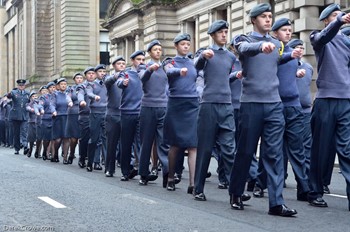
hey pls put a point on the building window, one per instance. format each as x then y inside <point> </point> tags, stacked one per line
<point>104,48</point>
<point>103,8</point>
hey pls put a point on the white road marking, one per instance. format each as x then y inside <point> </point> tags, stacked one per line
<point>140,199</point>
<point>52,202</point>
<point>336,195</point>
<point>333,195</point>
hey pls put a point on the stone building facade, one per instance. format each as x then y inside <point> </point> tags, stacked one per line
<point>41,40</point>
<point>133,24</point>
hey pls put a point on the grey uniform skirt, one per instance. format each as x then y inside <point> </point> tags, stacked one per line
<point>180,123</point>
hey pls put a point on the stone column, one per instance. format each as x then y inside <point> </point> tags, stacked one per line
<point>197,35</point>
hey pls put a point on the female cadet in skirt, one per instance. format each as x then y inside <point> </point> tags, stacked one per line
<point>72,131</point>
<point>180,123</point>
<point>60,102</point>
<point>46,121</point>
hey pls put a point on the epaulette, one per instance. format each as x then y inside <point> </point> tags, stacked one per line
<point>241,38</point>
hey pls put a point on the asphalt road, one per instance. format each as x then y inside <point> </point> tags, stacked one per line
<point>85,201</point>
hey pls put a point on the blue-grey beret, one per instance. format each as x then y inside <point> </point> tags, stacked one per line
<point>346,30</point>
<point>280,23</point>
<point>118,58</point>
<point>137,53</point>
<point>88,69</point>
<point>153,43</point>
<point>42,87</point>
<point>62,79</point>
<point>77,74</point>
<point>217,25</point>
<point>295,42</point>
<point>55,81</point>
<point>259,9</point>
<point>51,83</point>
<point>100,66</point>
<point>328,10</point>
<point>184,36</point>
<point>21,81</point>
<point>32,93</point>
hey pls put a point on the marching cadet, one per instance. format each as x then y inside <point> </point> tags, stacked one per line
<point>153,108</point>
<point>303,85</point>
<point>18,114</point>
<point>113,115</point>
<point>215,119</point>
<point>97,93</point>
<point>46,121</point>
<point>330,119</point>
<point>2,122</point>
<point>61,101</point>
<point>261,112</point>
<point>84,112</point>
<point>180,127</point>
<point>293,146</point>
<point>39,111</point>
<point>130,83</point>
<point>8,123</point>
<point>72,132</point>
<point>31,137</point>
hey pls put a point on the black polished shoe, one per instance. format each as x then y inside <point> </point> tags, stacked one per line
<point>143,181</point>
<point>70,159</point>
<point>282,210</point>
<point>52,160</point>
<point>57,160</point>
<point>108,174</point>
<point>318,202</point>
<point>151,177</point>
<point>97,166</point>
<point>236,203</point>
<point>65,161</point>
<point>245,197</point>
<point>124,178</point>
<point>258,192</point>
<point>199,196</point>
<point>89,168</point>
<point>223,185</point>
<point>208,175</point>
<point>133,173</point>
<point>25,151</point>
<point>16,153</point>
<point>81,164</point>
<point>29,154</point>
<point>326,189</point>
<point>165,180</point>
<point>250,185</point>
<point>154,171</point>
<point>44,157</point>
<point>170,186</point>
<point>190,189</point>
<point>177,178</point>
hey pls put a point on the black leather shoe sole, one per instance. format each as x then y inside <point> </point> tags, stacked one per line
<point>246,197</point>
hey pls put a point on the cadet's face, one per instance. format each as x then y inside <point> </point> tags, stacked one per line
<point>78,79</point>
<point>52,89</point>
<point>220,37</point>
<point>183,47</point>
<point>62,86</point>
<point>101,73</point>
<point>44,91</point>
<point>156,52</point>
<point>284,33</point>
<point>90,76</point>
<point>140,59</point>
<point>262,22</point>
<point>331,17</point>
<point>21,87</point>
<point>119,65</point>
<point>301,48</point>
<point>34,97</point>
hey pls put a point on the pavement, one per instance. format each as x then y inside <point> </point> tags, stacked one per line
<point>37,195</point>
